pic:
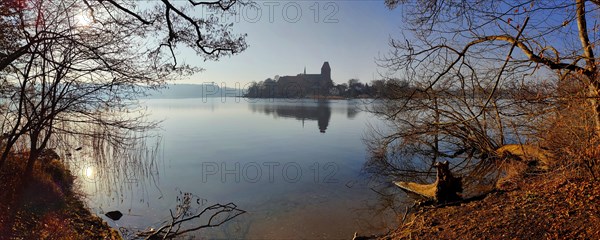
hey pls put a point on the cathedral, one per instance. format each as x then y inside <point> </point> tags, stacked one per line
<point>305,85</point>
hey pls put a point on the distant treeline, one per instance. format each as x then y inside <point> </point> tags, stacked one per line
<point>271,88</point>
<point>390,89</point>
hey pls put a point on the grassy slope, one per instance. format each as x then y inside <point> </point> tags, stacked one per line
<point>48,208</point>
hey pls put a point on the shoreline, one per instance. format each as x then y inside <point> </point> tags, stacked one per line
<point>48,207</point>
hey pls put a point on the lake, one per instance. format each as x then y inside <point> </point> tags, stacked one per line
<point>295,166</point>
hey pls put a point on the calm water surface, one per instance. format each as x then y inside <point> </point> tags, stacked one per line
<point>294,165</point>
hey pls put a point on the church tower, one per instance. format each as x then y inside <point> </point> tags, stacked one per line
<point>326,71</point>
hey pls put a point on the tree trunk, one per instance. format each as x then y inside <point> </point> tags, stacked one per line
<point>34,152</point>
<point>10,142</point>
<point>33,156</point>
<point>594,100</point>
<point>445,188</point>
<point>4,156</point>
<point>596,107</point>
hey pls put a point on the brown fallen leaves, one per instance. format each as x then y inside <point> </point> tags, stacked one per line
<point>555,205</point>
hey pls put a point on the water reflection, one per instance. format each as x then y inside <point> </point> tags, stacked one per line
<point>304,111</point>
<point>245,133</point>
<point>353,107</point>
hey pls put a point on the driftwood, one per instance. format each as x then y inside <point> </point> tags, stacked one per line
<point>173,229</point>
<point>445,188</point>
<point>188,219</point>
<point>526,153</point>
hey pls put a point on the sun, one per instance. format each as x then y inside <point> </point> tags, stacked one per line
<point>90,172</point>
<point>83,19</point>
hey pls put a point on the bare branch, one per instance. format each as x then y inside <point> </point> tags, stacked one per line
<point>126,10</point>
<point>220,3</point>
<point>588,52</point>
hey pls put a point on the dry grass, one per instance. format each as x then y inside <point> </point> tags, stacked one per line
<point>571,135</point>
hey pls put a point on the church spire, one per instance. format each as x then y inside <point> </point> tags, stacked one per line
<point>304,70</point>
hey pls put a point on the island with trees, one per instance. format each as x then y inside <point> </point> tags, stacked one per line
<point>321,86</point>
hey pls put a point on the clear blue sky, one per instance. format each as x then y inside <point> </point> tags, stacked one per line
<point>348,34</point>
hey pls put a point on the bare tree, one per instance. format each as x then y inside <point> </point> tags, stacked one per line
<point>163,24</point>
<point>76,67</point>
<point>473,36</point>
<point>483,75</point>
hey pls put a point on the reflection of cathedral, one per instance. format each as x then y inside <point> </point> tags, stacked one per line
<point>321,112</point>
